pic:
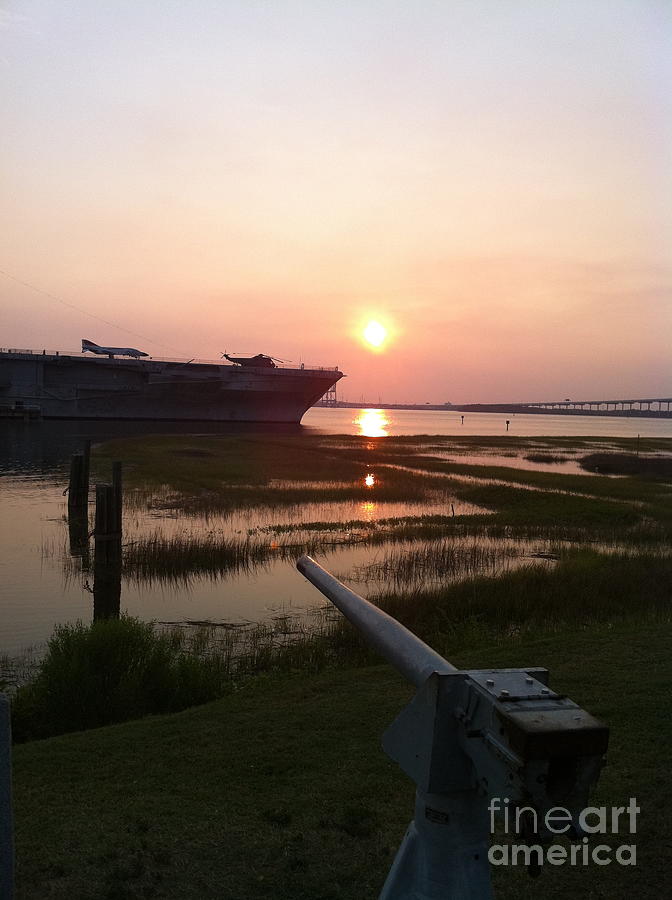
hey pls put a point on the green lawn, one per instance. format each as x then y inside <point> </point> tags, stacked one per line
<point>281,790</point>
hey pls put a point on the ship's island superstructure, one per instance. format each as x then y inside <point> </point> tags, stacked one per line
<point>69,385</point>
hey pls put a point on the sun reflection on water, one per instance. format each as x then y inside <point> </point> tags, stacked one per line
<point>368,511</point>
<point>372,423</point>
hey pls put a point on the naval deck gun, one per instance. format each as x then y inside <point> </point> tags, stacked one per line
<point>469,738</point>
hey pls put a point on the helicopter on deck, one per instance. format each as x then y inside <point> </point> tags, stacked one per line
<point>260,360</point>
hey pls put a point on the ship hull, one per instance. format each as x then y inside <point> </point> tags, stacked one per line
<point>56,386</point>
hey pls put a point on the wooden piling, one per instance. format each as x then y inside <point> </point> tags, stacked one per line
<point>107,532</point>
<point>78,504</point>
<point>107,550</point>
<point>78,487</point>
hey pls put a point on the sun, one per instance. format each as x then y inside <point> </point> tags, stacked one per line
<point>374,333</point>
<point>374,330</point>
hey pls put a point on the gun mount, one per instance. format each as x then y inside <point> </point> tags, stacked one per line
<point>467,739</point>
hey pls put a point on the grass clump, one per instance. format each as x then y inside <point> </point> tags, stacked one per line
<point>584,588</point>
<point>164,559</point>
<point>545,458</point>
<point>628,464</point>
<point>111,671</point>
<point>437,561</point>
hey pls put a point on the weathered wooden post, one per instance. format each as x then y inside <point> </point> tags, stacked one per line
<point>107,550</point>
<point>78,504</point>
<point>6,820</point>
<point>78,494</point>
<point>78,487</point>
<point>106,524</point>
<point>78,534</point>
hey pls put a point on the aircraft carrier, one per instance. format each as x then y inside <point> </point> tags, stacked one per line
<point>68,385</point>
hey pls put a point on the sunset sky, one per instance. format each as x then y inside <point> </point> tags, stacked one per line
<point>488,179</point>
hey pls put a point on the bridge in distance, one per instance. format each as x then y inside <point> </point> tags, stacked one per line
<point>646,407</point>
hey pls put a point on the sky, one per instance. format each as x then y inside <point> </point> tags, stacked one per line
<point>490,180</point>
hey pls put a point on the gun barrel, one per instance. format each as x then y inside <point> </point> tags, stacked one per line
<point>412,657</point>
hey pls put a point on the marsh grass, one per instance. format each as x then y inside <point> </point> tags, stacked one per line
<point>546,458</point>
<point>158,558</point>
<point>253,471</point>
<point>583,585</point>
<point>115,670</point>
<point>509,510</point>
<point>438,561</point>
<point>163,474</point>
<point>628,464</point>
<point>440,553</point>
<point>111,671</point>
<point>394,486</point>
<point>627,489</point>
<point>583,588</point>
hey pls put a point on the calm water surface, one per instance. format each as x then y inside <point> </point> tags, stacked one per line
<point>41,585</point>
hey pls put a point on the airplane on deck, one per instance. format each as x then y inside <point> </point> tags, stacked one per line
<point>90,347</point>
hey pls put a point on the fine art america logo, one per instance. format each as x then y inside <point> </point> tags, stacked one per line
<point>592,822</point>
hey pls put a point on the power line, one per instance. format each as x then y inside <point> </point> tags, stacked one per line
<point>89,314</point>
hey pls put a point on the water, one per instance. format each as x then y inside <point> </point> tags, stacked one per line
<point>377,423</point>
<point>43,585</point>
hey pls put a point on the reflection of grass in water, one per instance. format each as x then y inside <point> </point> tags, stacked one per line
<point>393,486</point>
<point>159,559</point>
<point>156,558</point>
<point>177,559</point>
<point>546,458</point>
<point>437,561</point>
<point>582,509</point>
